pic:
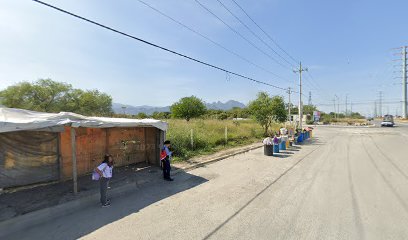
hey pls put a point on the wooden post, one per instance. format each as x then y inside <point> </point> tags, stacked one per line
<point>226,134</point>
<point>192,140</point>
<point>74,160</point>
<point>145,144</point>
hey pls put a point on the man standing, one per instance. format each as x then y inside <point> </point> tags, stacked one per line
<point>166,161</point>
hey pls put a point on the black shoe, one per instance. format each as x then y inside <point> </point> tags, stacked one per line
<point>169,179</point>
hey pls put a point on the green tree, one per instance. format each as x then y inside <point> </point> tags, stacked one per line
<point>46,95</point>
<point>188,108</point>
<point>266,110</point>
<point>309,109</point>
<point>279,112</point>
<point>161,115</point>
<point>142,115</point>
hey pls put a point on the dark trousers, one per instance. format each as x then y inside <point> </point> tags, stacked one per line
<point>166,168</point>
<point>104,188</point>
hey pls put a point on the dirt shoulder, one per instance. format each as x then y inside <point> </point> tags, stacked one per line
<point>30,199</point>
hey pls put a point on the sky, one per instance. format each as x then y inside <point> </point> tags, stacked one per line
<point>347,46</point>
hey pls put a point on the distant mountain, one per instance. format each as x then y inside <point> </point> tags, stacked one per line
<point>121,108</point>
<point>224,106</point>
<point>128,109</point>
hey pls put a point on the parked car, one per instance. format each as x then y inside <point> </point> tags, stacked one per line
<point>388,121</point>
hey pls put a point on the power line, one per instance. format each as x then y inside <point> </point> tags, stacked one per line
<point>242,36</point>
<point>253,33</point>
<point>361,103</point>
<point>296,61</point>
<point>210,40</point>
<point>155,45</point>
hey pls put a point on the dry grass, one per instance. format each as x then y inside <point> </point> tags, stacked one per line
<point>209,135</point>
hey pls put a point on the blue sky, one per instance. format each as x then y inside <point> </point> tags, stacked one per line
<point>345,44</point>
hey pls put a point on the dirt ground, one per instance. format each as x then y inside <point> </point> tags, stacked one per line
<point>14,203</point>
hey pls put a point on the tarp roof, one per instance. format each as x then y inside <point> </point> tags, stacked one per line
<point>12,119</point>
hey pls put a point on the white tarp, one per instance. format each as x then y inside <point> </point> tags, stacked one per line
<point>12,119</point>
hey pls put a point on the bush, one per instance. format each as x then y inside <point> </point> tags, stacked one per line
<point>209,135</point>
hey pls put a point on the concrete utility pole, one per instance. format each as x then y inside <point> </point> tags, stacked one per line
<point>338,105</point>
<point>334,105</point>
<point>380,104</point>
<point>300,70</point>
<point>375,109</point>
<point>404,81</point>
<point>290,105</point>
<point>346,105</point>
<point>310,98</point>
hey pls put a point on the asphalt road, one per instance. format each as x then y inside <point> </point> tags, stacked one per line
<point>347,183</point>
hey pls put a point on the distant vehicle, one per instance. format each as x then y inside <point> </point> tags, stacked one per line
<point>388,121</point>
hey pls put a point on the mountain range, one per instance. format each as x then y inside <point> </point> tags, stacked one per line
<point>128,109</point>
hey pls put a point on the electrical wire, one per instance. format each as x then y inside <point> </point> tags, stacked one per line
<point>242,36</point>
<point>254,34</point>
<point>155,45</point>
<point>210,40</point>
<point>296,61</point>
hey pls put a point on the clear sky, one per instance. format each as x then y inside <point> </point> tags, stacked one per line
<point>345,44</point>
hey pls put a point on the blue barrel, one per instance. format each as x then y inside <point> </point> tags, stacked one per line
<point>276,148</point>
<point>282,145</point>
<point>300,138</point>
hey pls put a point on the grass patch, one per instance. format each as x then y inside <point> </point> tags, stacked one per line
<point>209,136</point>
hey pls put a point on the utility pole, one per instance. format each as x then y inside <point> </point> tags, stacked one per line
<point>338,105</point>
<point>290,105</point>
<point>334,105</point>
<point>346,105</point>
<point>404,81</point>
<point>300,70</point>
<point>380,104</point>
<point>375,109</point>
<point>310,98</point>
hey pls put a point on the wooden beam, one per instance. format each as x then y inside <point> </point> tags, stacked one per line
<point>74,161</point>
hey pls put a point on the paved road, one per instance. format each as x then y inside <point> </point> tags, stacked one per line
<point>350,183</point>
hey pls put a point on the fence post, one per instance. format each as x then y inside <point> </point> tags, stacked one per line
<point>226,135</point>
<point>192,139</point>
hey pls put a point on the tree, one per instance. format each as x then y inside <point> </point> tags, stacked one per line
<point>161,115</point>
<point>309,109</point>
<point>188,107</point>
<point>266,110</point>
<point>141,115</point>
<point>46,95</point>
<point>279,112</point>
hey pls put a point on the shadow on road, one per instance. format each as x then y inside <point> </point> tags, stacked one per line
<point>85,221</point>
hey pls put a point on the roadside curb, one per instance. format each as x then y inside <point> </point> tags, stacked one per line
<point>197,165</point>
<point>34,218</point>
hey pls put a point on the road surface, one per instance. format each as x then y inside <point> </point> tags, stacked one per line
<point>349,183</point>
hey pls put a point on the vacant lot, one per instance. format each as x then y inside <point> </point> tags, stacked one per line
<point>209,135</point>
